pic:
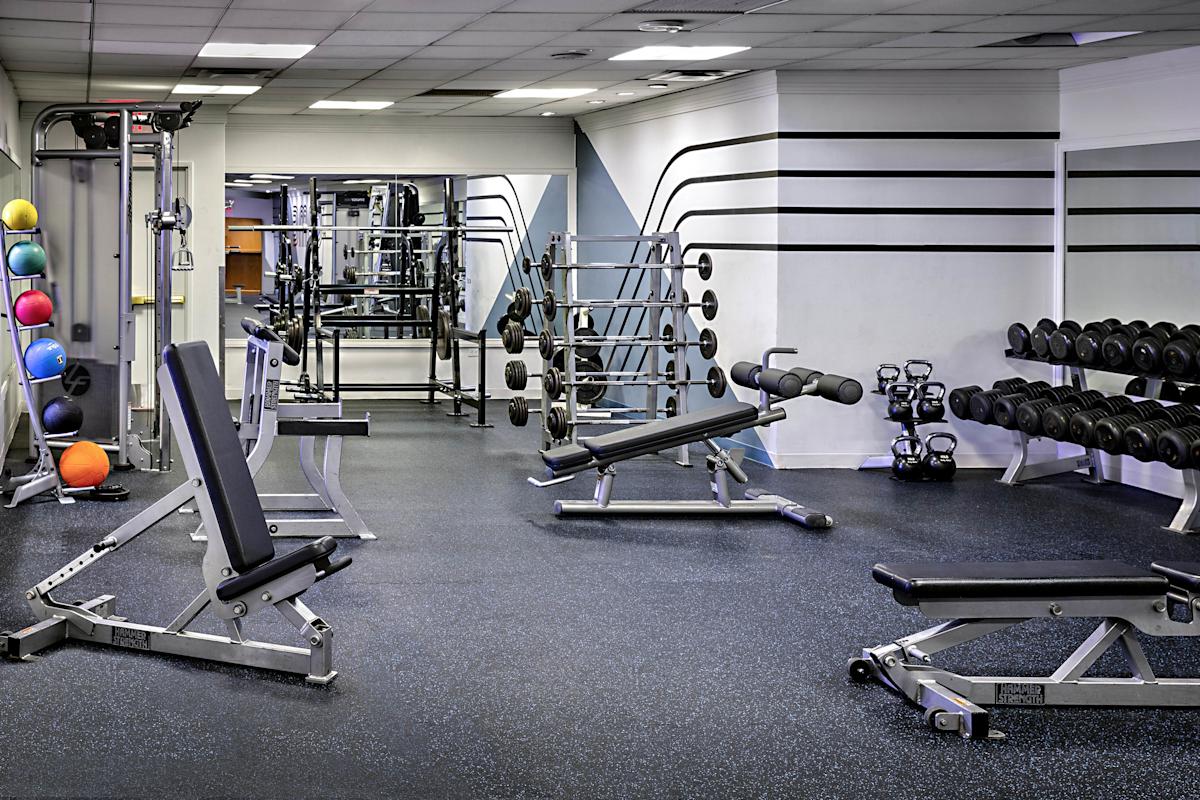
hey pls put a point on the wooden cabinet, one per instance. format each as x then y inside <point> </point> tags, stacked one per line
<point>243,256</point>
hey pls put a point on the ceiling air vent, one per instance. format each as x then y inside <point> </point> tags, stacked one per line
<point>460,93</point>
<point>570,55</point>
<point>702,6</point>
<point>693,75</point>
<point>217,73</point>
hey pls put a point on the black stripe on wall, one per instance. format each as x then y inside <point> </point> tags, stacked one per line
<point>1132,248</point>
<point>873,248</point>
<point>1133,173</point>
<point>1117,211</point>
<point>868,211</point>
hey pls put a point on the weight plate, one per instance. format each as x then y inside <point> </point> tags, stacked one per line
<point>706,266</point>
<point>708,304</point>
<point>546,267</point>
<point>444,326</point>
<point>716,381</point>
<point>589,391</point>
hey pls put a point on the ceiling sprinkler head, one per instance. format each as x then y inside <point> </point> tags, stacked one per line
<point>661,26</point>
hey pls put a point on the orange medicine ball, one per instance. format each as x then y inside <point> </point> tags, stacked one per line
<point>83,464</point>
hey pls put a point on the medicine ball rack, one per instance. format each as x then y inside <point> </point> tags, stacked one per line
<point>44,476</point>
<point>573,377</point>
<point>916,373</point>
<point>438,323</point>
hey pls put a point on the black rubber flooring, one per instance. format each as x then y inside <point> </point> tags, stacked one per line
<point>487,649</point>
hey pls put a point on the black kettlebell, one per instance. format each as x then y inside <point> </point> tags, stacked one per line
<point>939,464</point>
<point>917,370</point>
<point>907,466</point>
<point>900,401</point>
<point>886,374</point>
<point>931,405</point>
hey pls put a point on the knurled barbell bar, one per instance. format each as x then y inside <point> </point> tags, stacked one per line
<point>513,339</point>
<point>352,274</point>
<point>351,252</point>
<point>557,422</point>
<point>588,342</point>
<point>554,382</point>
<point>547,266</point>
<point>708,302</point>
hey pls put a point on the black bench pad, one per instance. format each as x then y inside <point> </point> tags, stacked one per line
<point>249,581</point>
<point>569,455</point>
<point>979,580</point>
<point>323,427</point>
<point>694,423</point>
<point>1180,573</point>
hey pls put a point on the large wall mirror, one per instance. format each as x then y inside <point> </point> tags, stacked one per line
<point>519,212</point>
<point>1132,237</point>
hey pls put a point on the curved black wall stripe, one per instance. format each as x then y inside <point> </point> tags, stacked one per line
<point>540,287</point>
<point>906,211</point>
<point>873,248</point>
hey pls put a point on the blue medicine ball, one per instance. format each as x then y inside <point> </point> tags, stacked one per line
<point>62,415</point>
<point>45,358</point>
<point>27,258</point>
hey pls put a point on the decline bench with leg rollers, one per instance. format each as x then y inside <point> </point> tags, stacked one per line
<point>241,571</point>
<point>980,598</point>
<point>602,453</point>
<point>263,418</point>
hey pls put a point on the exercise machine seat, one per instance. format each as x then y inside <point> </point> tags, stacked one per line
<point>569,455</point>
<point>310,553</point>
<point>1184,574</point>
<point>693,424</point>
<point>985,580</point>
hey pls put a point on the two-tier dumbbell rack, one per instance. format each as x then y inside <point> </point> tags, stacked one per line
<point>561,268</point>
<point>43,477</point>
<point>1020,470</point>
<point>908,427</point>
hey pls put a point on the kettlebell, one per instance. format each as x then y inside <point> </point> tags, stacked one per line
<point>930,401</point>
<point>900,401</point>
<point>917,370</point>
<point>907,466</point>
<point>886,374</point>
<point>939,464</point>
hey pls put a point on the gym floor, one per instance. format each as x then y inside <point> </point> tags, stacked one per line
<point>487,649</point>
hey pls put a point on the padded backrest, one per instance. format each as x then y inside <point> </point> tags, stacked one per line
<point>209,427</point>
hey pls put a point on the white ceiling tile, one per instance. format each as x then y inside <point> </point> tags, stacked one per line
<point>1024,24</point>
<point>533,22</point>
<point>476,38</point>
<point>189,16</point>
<point>61,12</point>
<point>360,51</point>
<point>350,74</point>
<point>369,21</point>
<point>781,23</point>
<point>383,38</point>
<point>1154,22</point>
<point>284,18</point>
<point>955,39</point>
<point>304,5</point>
<point>909,23</point>
<point>50,30</point>
<point>267,36</point>
<point>1105,6</point>
<point>481,52</point>
<point>836,7</point>
<point>120,33</point>
<point>19,44</point>
<point>309,83</point>
<point>609,6</point>
<point>459,6</point>
<point>985,7</point>
<point>150,48</point>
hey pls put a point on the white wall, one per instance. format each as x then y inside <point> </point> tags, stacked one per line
<point>11,148</point>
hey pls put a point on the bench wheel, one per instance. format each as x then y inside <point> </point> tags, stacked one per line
<point>859,670</point>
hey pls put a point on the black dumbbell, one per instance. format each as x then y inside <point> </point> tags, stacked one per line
<point>1138,387</point>
<point>1082,427</point>
<point>983,403</point>
<point>1005,409</point>
<point>1148,349</point>
<point>1064,339</point>
<point>1118,345</point>
<point>1179,447</point>
<point>960,401</point>
<point>1030,414</point>
<point>1191,395</point>
<point>1109,433</point>
<point>885,374</point>
<point>1141,439</point>
<point>1039,337</point>
<point>557,423</point>
<point>1089,344</point>
<point>930,405</point>
<point>1019,337</point>
<point>1056,420</point>
<point>1179,356</point>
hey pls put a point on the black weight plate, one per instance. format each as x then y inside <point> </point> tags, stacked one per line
<point>444,325</point>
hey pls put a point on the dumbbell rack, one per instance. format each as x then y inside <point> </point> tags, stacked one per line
<point>665,249</point>
<point>908,427</point>
<point>44,476</point>
<point>1186,518</point>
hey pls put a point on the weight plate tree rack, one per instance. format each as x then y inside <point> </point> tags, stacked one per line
<point>44,476</point>
<point>157,124</point>
<point>440,321</point>
<point>1186,518</point>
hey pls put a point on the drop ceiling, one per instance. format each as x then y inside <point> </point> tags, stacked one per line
<point>397,50</point>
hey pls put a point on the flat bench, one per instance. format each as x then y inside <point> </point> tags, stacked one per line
<point>913,584</point>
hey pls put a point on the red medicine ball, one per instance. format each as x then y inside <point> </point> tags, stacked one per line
<point>33,308</point>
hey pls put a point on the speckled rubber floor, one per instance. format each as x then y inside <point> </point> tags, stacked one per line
<point>487,649</point>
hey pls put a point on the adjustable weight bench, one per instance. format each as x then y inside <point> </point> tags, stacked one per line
<point>603,453</point>
<point>241,571</point>
<point>979,598</point>
<point>263,418</point>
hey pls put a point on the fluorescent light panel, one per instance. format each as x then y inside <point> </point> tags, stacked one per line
<point>1101,36</point>
<point>271,177</point>
<point>212,88</point>
<point>288,52</point>
<point>677,53</point>
<point>352,105</point>
<point>551,94</point>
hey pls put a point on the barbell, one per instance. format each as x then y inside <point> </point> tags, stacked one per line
<point>547,266</point>
<point>554,382</point>
<point>350,252</point>
<point>557,422</point>
<point>708,302</point>
<point>291,330</point>
<point>587,342</point>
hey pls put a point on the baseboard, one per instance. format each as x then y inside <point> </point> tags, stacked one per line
<point>855,460</point>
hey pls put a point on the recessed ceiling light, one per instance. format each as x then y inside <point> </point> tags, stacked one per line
<point>556,94</point>
<point>209,88</point>
<point>353,181</point>
<point>661,26</point>
<point>352,105</point>
<point>595,102</point>
<point>289,52</point>
<point>626,94</point>
<point>677,53</point>
<point>236,185</point>
<point>269,176</point>
<point>548,114</point>
<point>1101,36</point>
<point>251,180</point>
<point>657,86</point>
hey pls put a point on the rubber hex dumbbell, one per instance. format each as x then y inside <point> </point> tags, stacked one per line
<point>1179,447</point>
<point>1082,427</point>
<point>1020,339</point>
<point>1056,420</point>
<point>1118,346</point>
<point>1039,338</point>
<point>1139,387</point>
<point>1005,409</point>
<point>1089,344</point>
<point>1148,349</point>
<point>983,403</point>
<point>1179,356</point>
<point>1030,413</point>
<point>1063,340</point>
<point>1109,434</point>
<point>557,423</point>
<point>960,400</point>
<point>1141,439</point>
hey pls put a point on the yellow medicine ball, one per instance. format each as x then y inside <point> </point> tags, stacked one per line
<point>19,215</point>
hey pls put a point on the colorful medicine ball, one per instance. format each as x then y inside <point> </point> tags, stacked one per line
<point>19,215</point>
<point>62,415</point>
<point>83,464</point>
<point>33,307</point>
<point>27,258</point>
<point>45,358</point>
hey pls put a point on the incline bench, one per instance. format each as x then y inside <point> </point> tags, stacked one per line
<point>602,453</point>
<point>242,573</point>
<point>980,598</point>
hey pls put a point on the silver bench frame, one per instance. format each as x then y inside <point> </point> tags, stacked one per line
<point>954,702</point>
<point>95,621</point>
